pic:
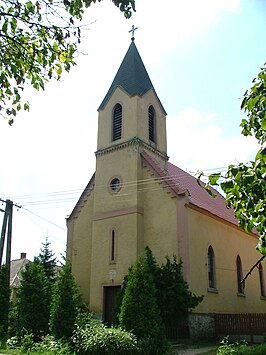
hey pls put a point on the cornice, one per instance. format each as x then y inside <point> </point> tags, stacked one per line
<point>137,143</point>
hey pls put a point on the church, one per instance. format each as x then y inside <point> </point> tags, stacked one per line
<point>137,198</point>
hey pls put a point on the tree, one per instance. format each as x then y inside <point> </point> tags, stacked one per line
<point>139,310</point>
<point>33,301</point>
<point>38,40</point>
<point>175,300</point>
<point>4,301</point>
<point>244,184</point>
<point>66,303</point>
<point>47,259</point>
<point>173,297</point>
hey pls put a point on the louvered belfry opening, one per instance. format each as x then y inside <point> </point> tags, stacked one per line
<point>117,122</point>
<point>151,124</point>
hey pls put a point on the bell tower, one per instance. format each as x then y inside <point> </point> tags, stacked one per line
<point>131,119</point>
<point>131,108</point>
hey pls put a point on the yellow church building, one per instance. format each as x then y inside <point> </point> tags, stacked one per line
<point>137,198</point>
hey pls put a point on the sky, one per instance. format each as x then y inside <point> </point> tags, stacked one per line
<point>201,57</point>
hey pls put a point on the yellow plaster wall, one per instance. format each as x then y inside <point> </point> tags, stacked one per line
<point>159,219</point>
<point>125,228</point>
<point>227,242</point>
<point>79,240</point>
<point>135,120</point>
<point>123,163</point>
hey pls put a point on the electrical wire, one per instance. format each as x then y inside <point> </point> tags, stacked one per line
<point>45,219</point>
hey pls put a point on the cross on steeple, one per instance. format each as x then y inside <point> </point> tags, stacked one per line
<point>133,29</point>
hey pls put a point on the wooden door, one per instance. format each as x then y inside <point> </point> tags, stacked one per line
<point>109,296</point>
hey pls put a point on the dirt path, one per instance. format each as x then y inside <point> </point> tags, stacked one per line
<point>196,351</point>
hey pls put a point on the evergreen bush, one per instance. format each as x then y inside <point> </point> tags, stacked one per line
<point>4,302</point>
<point>139,310</point>
<point>33,302</point>
<point>65,305</point>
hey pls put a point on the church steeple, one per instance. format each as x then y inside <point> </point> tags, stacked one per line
<point>131,109</point>
<point>132,77</point>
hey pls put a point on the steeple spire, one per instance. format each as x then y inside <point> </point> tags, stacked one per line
<point>132,76</point>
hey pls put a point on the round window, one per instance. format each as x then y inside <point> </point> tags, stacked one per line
<point>115,185</point>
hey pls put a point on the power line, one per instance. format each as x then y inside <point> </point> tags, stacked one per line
<point>45,219</point>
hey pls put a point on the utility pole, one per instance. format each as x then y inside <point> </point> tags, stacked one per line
<point>3,234</point>
<point>7,222</point>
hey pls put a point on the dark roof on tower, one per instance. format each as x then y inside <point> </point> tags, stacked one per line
<point>132,77</point>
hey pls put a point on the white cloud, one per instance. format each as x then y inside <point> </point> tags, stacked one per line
<point>196,142</point>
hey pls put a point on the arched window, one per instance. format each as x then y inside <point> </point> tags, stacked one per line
<point>117,122</point>
<point>152,124</point>
<point>239,274</point>
<point>211,268</point>
<point>112,246</point>
<point>262,282</point>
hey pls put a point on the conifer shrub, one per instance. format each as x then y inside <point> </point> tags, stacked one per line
<point>33,302</point>
<point>65,305</point>
<point>172,295</point>
<point>139,309</point>
<point>4,302</point>
<point>91,337</point>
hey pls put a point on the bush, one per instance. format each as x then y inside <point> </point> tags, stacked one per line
<point>242,348</point>
<point>47,345</point>
<point>66,302</point>
<point>139,309</point>
<point>94,338</point>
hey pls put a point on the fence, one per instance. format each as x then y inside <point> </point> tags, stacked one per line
<point>240,324</point>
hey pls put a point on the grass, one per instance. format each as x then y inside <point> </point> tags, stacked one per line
<point>18,352</point>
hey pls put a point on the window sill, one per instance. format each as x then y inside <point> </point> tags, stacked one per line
<point>212,290</point>
<point>241,294</point>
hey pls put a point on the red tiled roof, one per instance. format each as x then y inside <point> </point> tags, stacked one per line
<point>199,197</point>
<point>180,181</point>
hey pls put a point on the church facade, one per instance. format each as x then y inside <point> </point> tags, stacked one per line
<point>137,198</point>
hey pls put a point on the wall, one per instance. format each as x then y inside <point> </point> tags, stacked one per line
<point>227,242</point>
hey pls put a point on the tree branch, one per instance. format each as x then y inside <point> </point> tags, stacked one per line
<point>253,267</point>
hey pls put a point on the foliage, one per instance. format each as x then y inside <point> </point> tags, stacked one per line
<point>242,348</point>
<point>38,40</point>
<point>65,305</point>
<point>118,301</point>
<point>174,297</point>
<point>92,337</point>
<point>244,184</point>
<point>139,310</point>
<point>13,319</point>
<point>33,301</point>
<point>4,302</point>
<point>47,344</point>
<point>47,260</point>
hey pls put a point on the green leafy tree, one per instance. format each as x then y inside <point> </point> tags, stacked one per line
<point>33,301</point>
<point>66,303</point>
<point>4,302</point>
<point>38,40</point>
<point>244,184</point>
<point>139,309</point>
